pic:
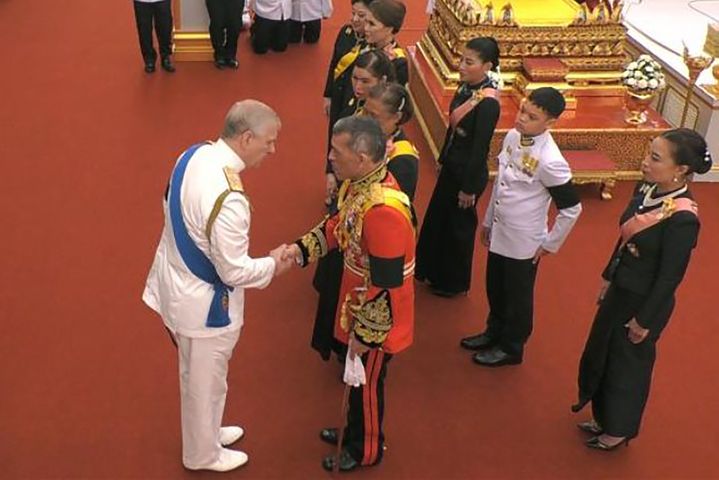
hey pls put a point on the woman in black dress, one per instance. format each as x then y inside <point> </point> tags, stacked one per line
<point>446,242</point>
<point>658,231</point>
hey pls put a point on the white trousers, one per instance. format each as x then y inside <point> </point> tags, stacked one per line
<point>203,389</point>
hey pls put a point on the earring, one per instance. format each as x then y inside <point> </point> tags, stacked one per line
<point>675,179</point>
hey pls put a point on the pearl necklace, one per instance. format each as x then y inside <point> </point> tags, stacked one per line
<point>648,201</point>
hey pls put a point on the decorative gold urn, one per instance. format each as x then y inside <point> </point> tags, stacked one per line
<point>637,103</point>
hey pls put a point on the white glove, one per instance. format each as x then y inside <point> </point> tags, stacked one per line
<point>354,371</point>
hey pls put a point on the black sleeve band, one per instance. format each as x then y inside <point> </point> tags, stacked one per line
<point>386,272</point>
<point>564,196</point>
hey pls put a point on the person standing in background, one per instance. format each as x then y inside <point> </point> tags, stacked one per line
<point>158,12</point>
<point>225,25</point>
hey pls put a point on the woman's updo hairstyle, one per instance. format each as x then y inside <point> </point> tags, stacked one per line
<point>690,149</point>
<point>378,64</point>
<point>390,13</point>
<point>395,99</point>
<point>487,49</point>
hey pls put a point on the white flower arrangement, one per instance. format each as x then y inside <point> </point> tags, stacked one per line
<point>644,75</point>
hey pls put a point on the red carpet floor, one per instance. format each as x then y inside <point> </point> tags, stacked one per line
<point>88,378</point>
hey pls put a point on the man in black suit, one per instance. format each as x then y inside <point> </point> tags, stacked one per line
<point>158,12</point>
<point>225,25</point>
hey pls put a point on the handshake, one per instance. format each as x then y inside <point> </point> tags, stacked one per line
<point>285,256</point>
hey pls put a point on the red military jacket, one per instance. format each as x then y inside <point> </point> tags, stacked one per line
<point>374,228</point>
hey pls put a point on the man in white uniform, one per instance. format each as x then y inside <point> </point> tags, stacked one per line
<point>206,234</point>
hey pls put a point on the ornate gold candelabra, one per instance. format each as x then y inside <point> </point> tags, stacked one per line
<point>696,64</point>
<point>711,46</point>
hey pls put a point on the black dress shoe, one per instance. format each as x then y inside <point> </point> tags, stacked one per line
<point>150,67</point>
<point>478,342</point>
<point>330,435</point>
<point>496,358</point>
<point>167,65</point>
<point>220,63</point>
<point>232,63</point>
<point>346,463</point>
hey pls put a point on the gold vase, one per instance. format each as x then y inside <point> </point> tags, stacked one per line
<point>637,104</point>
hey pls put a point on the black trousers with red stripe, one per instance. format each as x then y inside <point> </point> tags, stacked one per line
<point>364,438</point>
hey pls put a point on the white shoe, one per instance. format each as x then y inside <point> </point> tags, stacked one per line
<point>228,460</point>
<point>229,435</point>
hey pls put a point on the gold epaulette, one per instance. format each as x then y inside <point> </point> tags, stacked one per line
<point>381,195</point>
<point>234,184</point>
<point>399,53</point>
<point>403,147</point>
<point>349,31</point>
<point>233,180</point>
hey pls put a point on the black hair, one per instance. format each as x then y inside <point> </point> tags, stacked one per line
<point>377,63</point>
<point>690,149</point>
<point>366,3</point>
<point>389,13</point>
<point>366,136</point>
<point>548,99</point>
<point>395,98</point>
<point>487,48</point>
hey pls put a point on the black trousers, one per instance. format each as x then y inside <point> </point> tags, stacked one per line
<point>364,437</point>
<point>445,248</point>
<point>307,31</point>
<point>510,292</point>
<point>225,25</point>
<point>270,34</point>
<point>159,13</point>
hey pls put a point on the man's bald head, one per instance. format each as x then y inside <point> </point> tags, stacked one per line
<point>249,115</point>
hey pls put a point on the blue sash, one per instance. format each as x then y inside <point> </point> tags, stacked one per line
<point>196,261</point>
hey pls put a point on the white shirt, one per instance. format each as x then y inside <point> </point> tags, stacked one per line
<point>182,299</point>
<point>517,211</point>
<point>272,9</point>
<point>307,10</point>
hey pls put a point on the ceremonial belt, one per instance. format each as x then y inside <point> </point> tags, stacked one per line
<point>407,272</point>
<point>195,260</point>
<point>460,112</point>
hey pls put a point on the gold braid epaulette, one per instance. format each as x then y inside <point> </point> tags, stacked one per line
<point>315,243</point>
<point>373,319</point>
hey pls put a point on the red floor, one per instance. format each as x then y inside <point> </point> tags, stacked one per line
<point>88,377</point>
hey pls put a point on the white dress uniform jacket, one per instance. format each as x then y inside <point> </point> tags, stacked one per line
<point>182,299</point>
<point>308,10</point>
<point>272,9</point>
<point>517,211</point>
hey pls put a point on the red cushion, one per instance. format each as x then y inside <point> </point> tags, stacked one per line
<point>588,160</point>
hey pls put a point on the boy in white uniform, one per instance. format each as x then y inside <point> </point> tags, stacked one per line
<point>306,20</point>
<point>531,174</point>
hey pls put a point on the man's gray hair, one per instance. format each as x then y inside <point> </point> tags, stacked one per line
<point>366,136</point>
<point>248,115</point>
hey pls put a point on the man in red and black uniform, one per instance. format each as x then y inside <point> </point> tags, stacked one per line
<point>374,228</point>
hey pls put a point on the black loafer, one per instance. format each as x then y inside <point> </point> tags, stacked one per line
<point>446,294</point>
<point>232,63</point>
<point>150,67</point>
<point>346,462</point>
<point>167,65</point>
<point>220,63</point>
<point>478,342</point>
<point>496,358</point>
<point>330,435</point>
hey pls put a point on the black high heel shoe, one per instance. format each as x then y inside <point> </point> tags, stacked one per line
<point>590,427</point>
<point>597,444</point>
